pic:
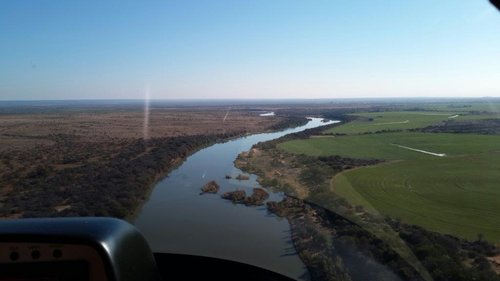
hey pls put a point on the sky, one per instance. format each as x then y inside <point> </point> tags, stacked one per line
<point>257,49</point>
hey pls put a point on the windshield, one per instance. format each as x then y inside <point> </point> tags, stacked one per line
<point>328,140</point>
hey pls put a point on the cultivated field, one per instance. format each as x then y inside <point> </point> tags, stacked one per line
<point>382,145</point>
<point>390,121</point>
<point>379,121</point>
<point>464,106</point>
<point>457,193</point>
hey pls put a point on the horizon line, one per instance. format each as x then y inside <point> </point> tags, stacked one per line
<point>254,99</point>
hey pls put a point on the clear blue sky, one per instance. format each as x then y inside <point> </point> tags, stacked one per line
<point>248,49</point>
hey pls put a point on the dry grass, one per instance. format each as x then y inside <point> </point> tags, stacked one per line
<point>19,131</point>
<point>27,140</point>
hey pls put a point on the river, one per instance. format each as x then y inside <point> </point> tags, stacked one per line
<point>177,219</point>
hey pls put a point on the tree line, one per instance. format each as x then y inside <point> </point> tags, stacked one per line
<point>102,188</point>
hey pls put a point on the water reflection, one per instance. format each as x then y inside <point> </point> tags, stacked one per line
<point>176,219</point>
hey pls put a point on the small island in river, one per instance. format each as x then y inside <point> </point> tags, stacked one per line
<point>242,177</point>
<point>210,187</point>
<point>257,198</point>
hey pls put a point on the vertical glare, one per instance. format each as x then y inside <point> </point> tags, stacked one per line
<point>145,126</point>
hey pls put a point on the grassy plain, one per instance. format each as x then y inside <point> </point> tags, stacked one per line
<point>403,120</point>
<point>465,106</point>
<point>448,195</point>
<point>383,146</point>
<point>457,194</point>
<point>378,121</point>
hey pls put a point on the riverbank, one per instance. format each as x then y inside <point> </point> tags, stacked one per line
<point>74,161</point>
<point>176,218</point>
<point>301,178</point>
<point>286,123</point>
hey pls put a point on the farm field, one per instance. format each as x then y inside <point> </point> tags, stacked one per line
<point>384,146</point>
<point>380,121</point>
<point>457,193</point>
<point>466,106</point>
<point>448,195</point>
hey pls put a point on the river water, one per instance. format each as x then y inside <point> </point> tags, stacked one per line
<point>177,219</point>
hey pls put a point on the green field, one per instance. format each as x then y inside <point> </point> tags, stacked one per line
<point>449,195</point>
<point>382,146</point>
<point>379,121</point>
<point>457,194</point>
<point>466,106</point>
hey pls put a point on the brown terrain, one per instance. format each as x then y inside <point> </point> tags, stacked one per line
<point>28,130</point>
<point>101,161</point>
<point>273,171</point>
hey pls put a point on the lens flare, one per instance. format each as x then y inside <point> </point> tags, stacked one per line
<point>145,126</point>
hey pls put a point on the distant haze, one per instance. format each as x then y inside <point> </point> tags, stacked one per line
<point>259,49</point>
